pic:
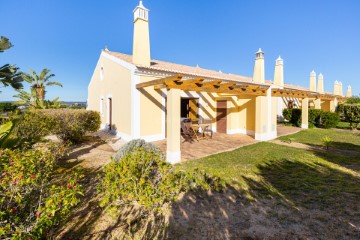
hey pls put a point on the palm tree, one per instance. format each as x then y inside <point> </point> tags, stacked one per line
<point>9,74</point>
<point>40,82</point>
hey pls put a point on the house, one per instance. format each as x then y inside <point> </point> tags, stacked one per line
<point>140,97</point>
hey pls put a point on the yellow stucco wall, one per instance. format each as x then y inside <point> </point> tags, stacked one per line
<point>116,83</point>
<point>247,112</point>
<point>151,112</point>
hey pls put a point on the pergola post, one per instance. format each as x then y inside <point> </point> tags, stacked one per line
<point>305,113</point>
<point>317,103</point>
<point>173,153</point>
<point>333,104</point>
<point>265,117</point>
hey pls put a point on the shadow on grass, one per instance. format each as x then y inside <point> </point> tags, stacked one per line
<point>350,161</point>
<point>292,200</point>
<point>346,146</point>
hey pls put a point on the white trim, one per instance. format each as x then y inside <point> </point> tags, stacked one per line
<point>123,136</point>
<point>304,126</point>
<point>265,136</point>
<point>135,106</point>
<point>240,131</point>
<point>173,157</point>
<point>153,138</point>
<point>119,61</point>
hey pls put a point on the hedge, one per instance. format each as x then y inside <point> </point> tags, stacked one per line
<point>68,124</point>
<point>317,117</point>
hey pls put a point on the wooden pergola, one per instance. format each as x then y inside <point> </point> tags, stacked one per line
<point>265,100</point>
<point>199,84</point>
<point>202,85</point>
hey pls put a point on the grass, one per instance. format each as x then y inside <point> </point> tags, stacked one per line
<point>341,140</point>
<point>298,176</point>
<point>344,125</point>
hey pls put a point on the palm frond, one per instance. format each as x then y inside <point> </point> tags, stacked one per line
<point>43,73</point>
<point>5,44</point>
<point>54,83</point>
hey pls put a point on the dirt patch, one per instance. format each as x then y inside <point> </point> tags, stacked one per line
<point>227,215</point>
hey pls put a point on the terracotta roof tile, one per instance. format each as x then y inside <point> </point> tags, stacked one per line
<point>199,72</point>
<point>187,70</point>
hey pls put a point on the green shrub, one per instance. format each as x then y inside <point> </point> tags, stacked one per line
<point>351,113</point>
<point>326,141</point>
<point>7,107</point>
<point>314,117</point>
<point>133,145</point>
<point>329,119</point>
<point>293,115</point>
<point>353,100</point>
<point>32,126</point>
<point>72,124</point>
<point>33,197</point>
<point>68,124</point>
<point>145,181</point>
<point>287,114</point>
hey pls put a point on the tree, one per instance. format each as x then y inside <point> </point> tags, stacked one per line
<point>40,82</point>
<point>9,74</point>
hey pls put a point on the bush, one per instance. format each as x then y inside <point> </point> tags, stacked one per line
<point>32,126</point>
<point>133,145</point>
<point>351,113</point>
<point>33,198</point>
<point>7,107</point>
<point>329,119</point>
<point>143,180</point>
<point>72,124</point>
<point>68,124</point>
<point>314,117</point>
<point>293,115</point>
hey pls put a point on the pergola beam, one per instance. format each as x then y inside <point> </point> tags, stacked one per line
<point>158,81</point>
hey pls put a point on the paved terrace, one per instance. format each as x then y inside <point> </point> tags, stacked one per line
<point>219,143</point>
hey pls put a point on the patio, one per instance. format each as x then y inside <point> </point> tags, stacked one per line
<point>220,142</point>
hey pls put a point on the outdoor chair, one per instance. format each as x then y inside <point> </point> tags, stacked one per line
<point>208,129</point>
<point>188,132</point>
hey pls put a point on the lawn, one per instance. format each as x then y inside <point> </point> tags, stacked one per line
<point>345,140</point>
<point>283,192</point>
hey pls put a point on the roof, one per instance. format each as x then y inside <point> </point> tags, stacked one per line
<point>199,72</point>
<point>187,70</point>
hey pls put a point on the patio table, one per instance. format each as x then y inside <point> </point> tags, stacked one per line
<point>203,127</point>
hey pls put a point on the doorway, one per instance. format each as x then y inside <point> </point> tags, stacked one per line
<point>190,108</point>
<point>221,115</point>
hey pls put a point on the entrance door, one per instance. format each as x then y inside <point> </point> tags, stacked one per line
<point>221,113</point>
<point>110,113</point>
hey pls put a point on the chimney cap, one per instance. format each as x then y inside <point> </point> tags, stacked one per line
<point>259,51</point>
<point>313,73</point>
<point>321,75</point>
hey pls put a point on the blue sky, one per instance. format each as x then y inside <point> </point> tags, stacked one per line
<point>67,36</point>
